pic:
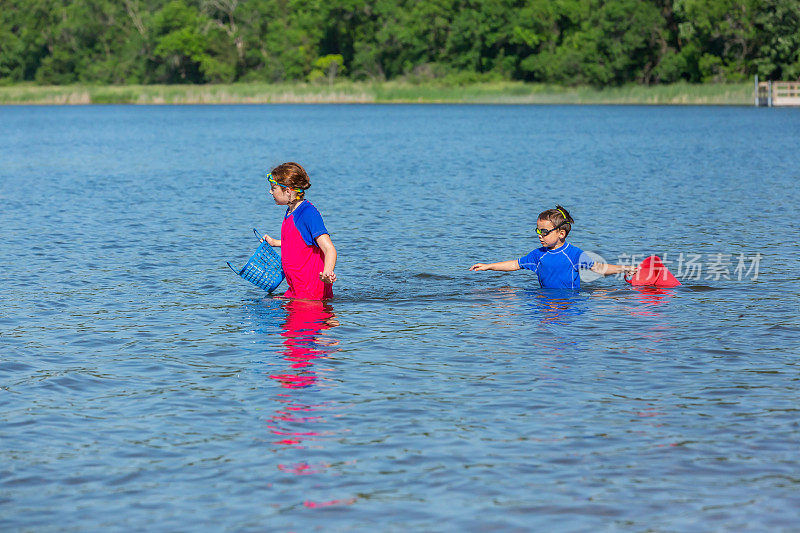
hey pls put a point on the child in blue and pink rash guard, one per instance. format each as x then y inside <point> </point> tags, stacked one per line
<point>557,264</point>
<point>308,256</point>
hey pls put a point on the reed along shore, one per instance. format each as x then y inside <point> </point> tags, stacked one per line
<point>346,92</point>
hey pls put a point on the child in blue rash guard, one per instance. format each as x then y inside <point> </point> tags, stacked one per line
<point>556,263</point>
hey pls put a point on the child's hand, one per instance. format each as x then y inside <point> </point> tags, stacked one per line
<point>327,277</point>
<point>630,270</point>
<point>269,240</point>
<point>479,266</point>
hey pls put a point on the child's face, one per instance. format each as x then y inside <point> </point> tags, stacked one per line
<point>553,239</point>
<point>281,195</point>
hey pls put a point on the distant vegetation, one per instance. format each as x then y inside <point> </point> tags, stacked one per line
<point>353,92</point>
<point>603,43</point>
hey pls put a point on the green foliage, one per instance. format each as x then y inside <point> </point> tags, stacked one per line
<point>777,39</point>
<point>180,44</point>
<point>327,67</point>
<point>569,42</point>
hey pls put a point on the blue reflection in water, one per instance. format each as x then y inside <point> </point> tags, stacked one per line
<point>555,306</point>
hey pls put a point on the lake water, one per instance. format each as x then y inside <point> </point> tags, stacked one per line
<point>147,387</point>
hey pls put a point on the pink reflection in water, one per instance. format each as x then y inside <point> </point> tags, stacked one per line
<point>315,505</point>
<point>305,320</point>
<point>651,297</point>
<point>304,346</point>
<point>297,429</point>
<point>295,424</point>
<point>290,381</point>
<point>303,469</point>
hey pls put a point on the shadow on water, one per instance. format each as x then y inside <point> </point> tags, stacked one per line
<point>701,288</point>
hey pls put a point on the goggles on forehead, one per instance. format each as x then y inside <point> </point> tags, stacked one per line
<point>272,182</point>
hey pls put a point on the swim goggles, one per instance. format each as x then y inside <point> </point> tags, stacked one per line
<point>272,182</point>
<point>546,232</point>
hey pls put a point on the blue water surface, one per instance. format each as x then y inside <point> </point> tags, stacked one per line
<point>146,387</point>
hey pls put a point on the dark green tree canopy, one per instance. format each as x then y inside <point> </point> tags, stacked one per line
<point>597,42</point>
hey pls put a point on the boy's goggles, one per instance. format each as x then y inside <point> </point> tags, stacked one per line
<point>546,232</point>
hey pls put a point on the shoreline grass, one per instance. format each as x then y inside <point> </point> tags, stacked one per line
<point>346,92</point>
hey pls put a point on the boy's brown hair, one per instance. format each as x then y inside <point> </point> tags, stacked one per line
<point>558,217</point>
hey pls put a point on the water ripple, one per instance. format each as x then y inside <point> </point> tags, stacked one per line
<point>145,386</point>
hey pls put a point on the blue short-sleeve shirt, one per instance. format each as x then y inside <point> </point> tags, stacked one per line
<point>558,268</point>
<point>308,222</point>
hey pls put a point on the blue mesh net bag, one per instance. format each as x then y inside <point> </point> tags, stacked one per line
<point>263,269</point>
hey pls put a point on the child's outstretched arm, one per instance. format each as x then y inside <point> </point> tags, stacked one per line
<point>606,270</point>
<point>272,242</point>
<point>502,266</point>
<point>326,245</point>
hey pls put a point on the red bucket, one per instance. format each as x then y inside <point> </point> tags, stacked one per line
<point>653,273</point>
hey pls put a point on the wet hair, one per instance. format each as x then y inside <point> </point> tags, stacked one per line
<point>557,216</point>
<point>292,175</point>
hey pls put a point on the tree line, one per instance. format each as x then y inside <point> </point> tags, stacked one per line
<point>569,42</point>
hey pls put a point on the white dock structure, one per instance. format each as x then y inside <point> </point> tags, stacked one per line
<point>777,93</point>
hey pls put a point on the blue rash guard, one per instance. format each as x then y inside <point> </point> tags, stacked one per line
<point>308,222</point>
<point>558,268</point>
